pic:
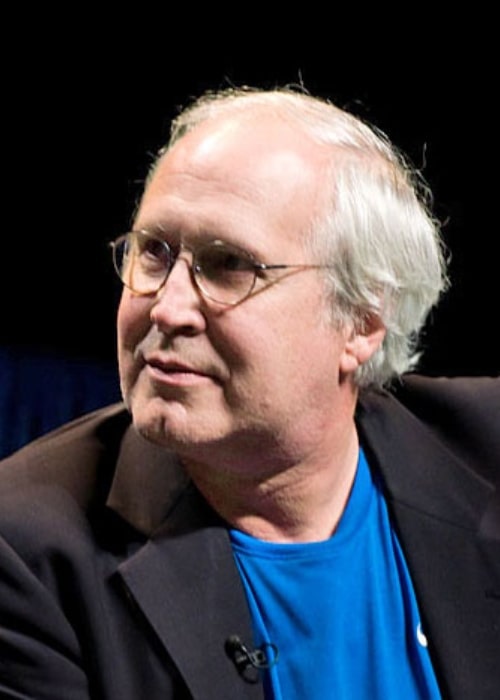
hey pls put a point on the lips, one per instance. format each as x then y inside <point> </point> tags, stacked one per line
<point>173,369</point>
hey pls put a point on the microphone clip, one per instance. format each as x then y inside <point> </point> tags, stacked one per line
<point>248,661</point>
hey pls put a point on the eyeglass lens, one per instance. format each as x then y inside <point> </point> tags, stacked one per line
<point>223,273</point>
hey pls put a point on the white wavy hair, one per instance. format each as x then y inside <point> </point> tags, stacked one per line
<point>377,233</point>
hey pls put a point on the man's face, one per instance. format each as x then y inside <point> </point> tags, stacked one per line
<point>234,383</point>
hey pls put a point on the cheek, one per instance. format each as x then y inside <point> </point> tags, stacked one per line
<point>261,356</point>
<point>132,325</point>
<point>132,321</point>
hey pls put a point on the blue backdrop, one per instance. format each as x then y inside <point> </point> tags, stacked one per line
<point>40,391</point>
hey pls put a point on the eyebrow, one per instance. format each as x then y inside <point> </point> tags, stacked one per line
<point>170,234</point>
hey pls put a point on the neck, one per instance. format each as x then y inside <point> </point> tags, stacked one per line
<point>293,500</point>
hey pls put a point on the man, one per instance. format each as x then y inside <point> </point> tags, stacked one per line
<point>263,519</point>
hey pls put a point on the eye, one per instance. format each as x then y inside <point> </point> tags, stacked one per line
<point>152,253</point>
<point>220,260</point>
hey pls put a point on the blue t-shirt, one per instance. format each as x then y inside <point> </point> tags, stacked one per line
<point>341,612</point>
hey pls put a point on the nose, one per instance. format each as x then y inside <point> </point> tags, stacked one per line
<point>178,304</point>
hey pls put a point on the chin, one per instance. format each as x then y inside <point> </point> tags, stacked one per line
<point>164,423</point>
<point>151,418</point>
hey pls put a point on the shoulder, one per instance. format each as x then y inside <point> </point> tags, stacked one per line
<point>464,396</point>
<point>465,409</point>
<point>91,428</point>
<point>462,413</point>
<point>64,468</point>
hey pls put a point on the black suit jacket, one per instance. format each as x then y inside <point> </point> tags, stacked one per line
<point>117,581</point>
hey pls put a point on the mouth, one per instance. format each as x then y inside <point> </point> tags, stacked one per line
<point>174,372</point>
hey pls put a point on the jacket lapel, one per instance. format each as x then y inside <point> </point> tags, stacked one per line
<point>438,503</point>
<point>183,578</point>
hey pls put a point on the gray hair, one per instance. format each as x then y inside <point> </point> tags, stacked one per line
<point>377,233</point>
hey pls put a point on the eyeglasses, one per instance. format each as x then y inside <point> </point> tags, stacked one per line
<point>222,272</point>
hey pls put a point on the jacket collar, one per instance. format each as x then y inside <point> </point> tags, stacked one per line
<point>418,468</point>
<point>183,578</point>
<point>442,512</point>
<point>147,483</point>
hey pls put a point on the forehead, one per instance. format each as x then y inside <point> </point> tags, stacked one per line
<point>253,183</point>
<point>264,163</point>
<point>252,139</point>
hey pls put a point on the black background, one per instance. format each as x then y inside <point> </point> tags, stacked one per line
<point>87,101</point>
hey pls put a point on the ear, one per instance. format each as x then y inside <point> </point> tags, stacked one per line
<point>361,343</point>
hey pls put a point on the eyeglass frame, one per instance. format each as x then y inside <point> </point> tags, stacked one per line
<point>196,270</point>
